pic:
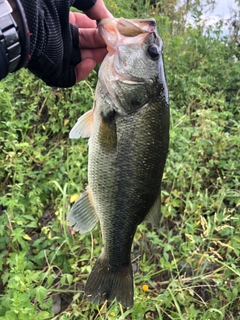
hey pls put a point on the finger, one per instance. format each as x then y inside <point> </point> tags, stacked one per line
<point>89,60</point>
<point>90,38</point>
<point>84,68</point>
<point>81,20</point>
<point>96,54</point>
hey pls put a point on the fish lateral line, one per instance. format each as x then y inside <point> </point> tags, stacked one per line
<point>129,138</point>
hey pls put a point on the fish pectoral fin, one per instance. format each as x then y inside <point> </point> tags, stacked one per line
<point>82,216</point>
<point>154,215</point>
<point>83,127</point>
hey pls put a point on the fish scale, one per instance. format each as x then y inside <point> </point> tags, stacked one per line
<point>128,145</point>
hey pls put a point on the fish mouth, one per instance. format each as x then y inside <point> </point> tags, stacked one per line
<point>116,32</point>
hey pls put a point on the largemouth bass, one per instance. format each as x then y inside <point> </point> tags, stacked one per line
<point>129,136</point>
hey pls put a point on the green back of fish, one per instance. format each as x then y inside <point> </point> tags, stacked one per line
<point>127,155</point>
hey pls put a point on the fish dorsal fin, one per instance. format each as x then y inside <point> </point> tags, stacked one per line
<point>83,127</point>
<point>82,216</point>
<point>154,214</point>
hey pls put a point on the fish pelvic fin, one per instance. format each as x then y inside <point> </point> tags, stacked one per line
<point>82,215</point>
<point>110,282</point>
<point>83,127</point>
<point>154,214</point>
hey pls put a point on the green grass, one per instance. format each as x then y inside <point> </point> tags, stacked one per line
<point>190,267</point>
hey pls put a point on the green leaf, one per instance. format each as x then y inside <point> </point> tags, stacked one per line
<point>42,315</point>
<point>41,294</point>
<point>69,279</point>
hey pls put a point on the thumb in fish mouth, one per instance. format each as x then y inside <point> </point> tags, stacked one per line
<point>121,31</point>
<point>126,27</point>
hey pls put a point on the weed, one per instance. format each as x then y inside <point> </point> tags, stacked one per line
<point>189,268</point>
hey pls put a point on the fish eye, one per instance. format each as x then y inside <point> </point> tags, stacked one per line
<point>153,52</point>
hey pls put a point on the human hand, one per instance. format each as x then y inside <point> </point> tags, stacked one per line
<point>91,44</point>
<point>63,53</point>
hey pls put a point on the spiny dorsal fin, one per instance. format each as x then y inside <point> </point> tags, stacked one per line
<point>82,216</point>
<point>83,127</point>
<point>154,214</point>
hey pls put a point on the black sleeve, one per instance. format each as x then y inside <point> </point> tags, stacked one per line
<point>84,4</point>
<point>53,40</point>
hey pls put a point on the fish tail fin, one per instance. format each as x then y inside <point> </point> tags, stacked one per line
<point>108,282</point>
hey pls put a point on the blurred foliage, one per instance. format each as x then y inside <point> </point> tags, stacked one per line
<point>189,269</point>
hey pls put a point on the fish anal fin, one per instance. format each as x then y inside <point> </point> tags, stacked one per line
<point>82,216</point>
<point>83,127</point>
<point>110,282</point>
<point>154,214</point>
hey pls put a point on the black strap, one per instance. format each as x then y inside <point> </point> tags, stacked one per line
<point>9,36</point>
<point>24,35</point>
<point>4,65</point>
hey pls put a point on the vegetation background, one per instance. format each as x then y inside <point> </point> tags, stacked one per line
<point>190,268</point>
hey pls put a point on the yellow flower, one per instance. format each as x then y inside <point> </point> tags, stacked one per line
<point>26,237</point>
<point>65,122</point>
<point>199,207</point>
<point>74,197</point>
<point>145,287</point>
<point>112,313</point>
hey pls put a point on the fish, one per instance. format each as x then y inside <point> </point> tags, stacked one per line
<point>128,131</point>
